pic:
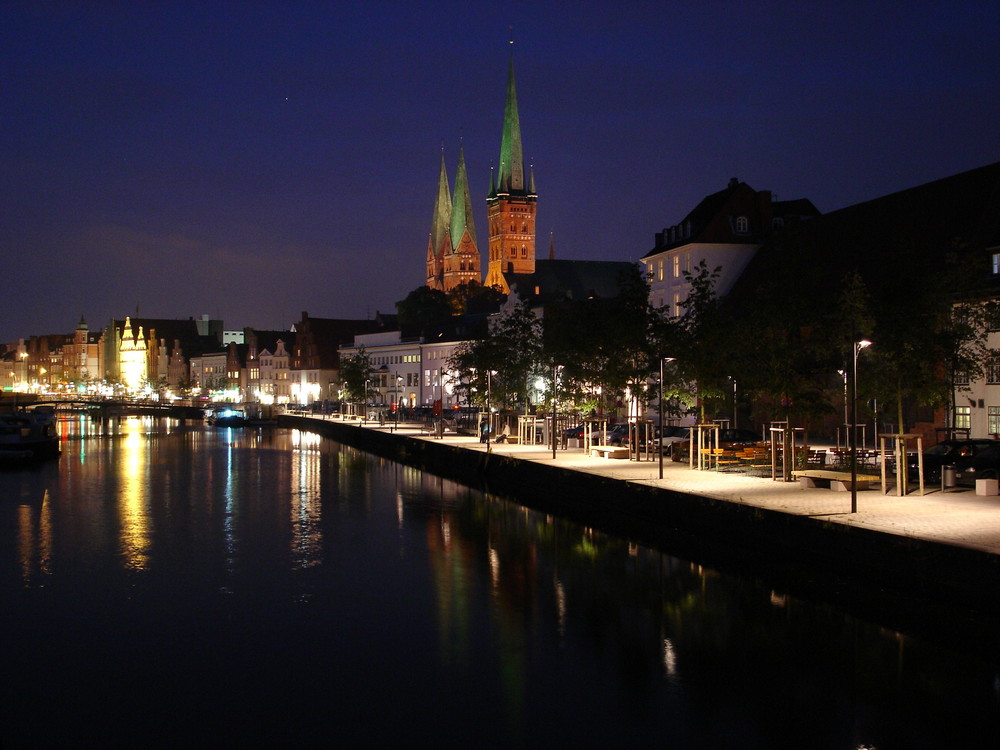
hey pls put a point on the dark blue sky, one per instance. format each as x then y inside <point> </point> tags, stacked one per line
<point>251,160</point>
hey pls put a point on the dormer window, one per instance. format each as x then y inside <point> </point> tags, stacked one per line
<point>742,225</point>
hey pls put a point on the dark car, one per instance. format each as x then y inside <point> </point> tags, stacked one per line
<point>984,463</point>
<point>947,453</point>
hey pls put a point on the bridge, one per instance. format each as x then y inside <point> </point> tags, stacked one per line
<point>104,408</point>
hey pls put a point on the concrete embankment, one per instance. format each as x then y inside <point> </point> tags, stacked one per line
<point>862,569</point>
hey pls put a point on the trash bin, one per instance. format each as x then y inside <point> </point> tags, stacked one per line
<point>947,477</point>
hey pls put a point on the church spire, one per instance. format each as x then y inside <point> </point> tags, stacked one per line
<point>510,172</point>
<point>442,209</point>
<point>511,204</point>
<point>461,205</point>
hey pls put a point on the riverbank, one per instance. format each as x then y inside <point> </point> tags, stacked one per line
<point>903,556</point>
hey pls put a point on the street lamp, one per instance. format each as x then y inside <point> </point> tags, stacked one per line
<point>663,360</point>
<point>555,377</point>
<point>364,406</point>
<point>858,346</point>
<point>489,416</point>
<point>399,389</point>
<point>733,378</point>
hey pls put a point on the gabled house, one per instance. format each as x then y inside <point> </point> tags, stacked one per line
<point>315,363</point>
<point>724,230</point>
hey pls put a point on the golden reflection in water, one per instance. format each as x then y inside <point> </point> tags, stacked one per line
<point>34,541</point>
<point>133,502</point>
<point>307,533</point>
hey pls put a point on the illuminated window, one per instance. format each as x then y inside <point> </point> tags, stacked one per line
<point>742,225</point>
<point>993,416</point>
<point>996,263</point>
<point>677,266</point>
<point>963,417</point>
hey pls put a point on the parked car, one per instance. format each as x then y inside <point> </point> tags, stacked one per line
<point>984,463</point>
<point>946,453</point>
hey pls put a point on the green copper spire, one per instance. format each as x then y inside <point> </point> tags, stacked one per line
<point>461,205</point>
<point>510,172</point>
<point>442,209</point>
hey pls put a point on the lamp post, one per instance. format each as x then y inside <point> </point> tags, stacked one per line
<point>663,360</point>
<point>733,378</point>
<point>489,413</point>
<point>555,376</point>
<point>857,347</point>
<point>399,381</point>
<point>364,406</point>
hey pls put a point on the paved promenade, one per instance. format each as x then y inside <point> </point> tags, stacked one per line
<point>956,516</point>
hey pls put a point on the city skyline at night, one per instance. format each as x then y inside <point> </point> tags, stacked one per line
<point>252,161</point>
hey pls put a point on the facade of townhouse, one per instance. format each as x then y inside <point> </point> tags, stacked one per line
<point>209,371</point>
<point>315,358</point>
<point>724,230</point>
<point>410,372</point>
<point>976,404</point>
<point>82,357</point>
<point>273,386</point>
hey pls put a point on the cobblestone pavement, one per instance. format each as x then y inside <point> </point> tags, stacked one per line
<point>956,516</point>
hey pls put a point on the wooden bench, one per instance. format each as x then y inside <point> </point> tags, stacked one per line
<point>609,451</point>
<point>834,480</point>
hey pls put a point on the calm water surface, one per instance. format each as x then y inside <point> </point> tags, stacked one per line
<point>167,583</point>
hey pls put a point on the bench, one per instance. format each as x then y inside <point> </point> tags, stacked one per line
<point>834,480</point>
<point>609,451</point>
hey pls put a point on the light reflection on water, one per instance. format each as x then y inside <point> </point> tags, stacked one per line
<point>184,583</point>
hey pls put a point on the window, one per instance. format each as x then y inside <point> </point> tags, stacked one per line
<point>742,225</point>
<point>963,417</point>
<point>661,270</point>
<point>524,251</point>
<point>993,427</point>
<point>993,371</point>
<point>677,304</point>
<point>677,266</point>
<point>961,377</point>
<point>996,263</point>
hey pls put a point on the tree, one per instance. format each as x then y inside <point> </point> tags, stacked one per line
<point>354,372</point>
<point>603,345</point>
<point>699,338</point>
<point>424,309</point>
<point>510,351</point>
<point>473,297</point>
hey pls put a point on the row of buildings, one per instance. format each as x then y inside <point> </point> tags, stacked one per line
<point>742,231</point>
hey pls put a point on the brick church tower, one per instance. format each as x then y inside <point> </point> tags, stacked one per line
<point>452,252</point>
<point>511,203</point>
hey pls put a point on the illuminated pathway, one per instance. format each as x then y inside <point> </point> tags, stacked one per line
<point>956,517</point>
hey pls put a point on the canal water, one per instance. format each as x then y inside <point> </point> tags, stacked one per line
<point>167,584</point>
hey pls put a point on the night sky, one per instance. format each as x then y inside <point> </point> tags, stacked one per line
<point>251,160</point>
